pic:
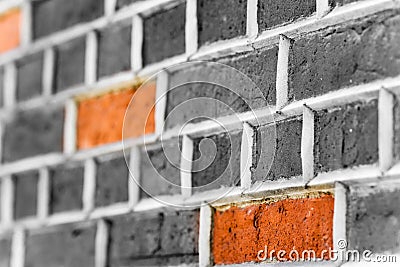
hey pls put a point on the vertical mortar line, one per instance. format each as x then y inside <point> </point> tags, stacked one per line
<point>205,236</point>
<point>307,144</point>
<point>18,248</point>
<point>323,8</point>
<point>339,217</point>
<point>70,125</point>
<point>385,129</point>
<point>134,176</point>
<point>137,43</point>
<point>246,156</point>
<point>48,71</point>
<point>191,30</point>
<point>91,58</point>
<point>43,194</point>
<point>161,100</point>
<point>252,24</point>
<point>102,234</point>
<point>10,85</point>
<point>282,72</point>
<point>109,6</point>
<point>89,186</point>
<point>7,200</point>
<point>186,166</point>
<point>26,29</point>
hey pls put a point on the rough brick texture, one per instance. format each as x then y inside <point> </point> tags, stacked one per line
<point>114,49</point>
<point>112,176</point>
<point>271,13</point>
<point>5,250</point>
<point>373,217</point>
<point>50,16</point>
<point>160,168</point>
<point>68,246</point>
<point>29,76</point>
<point>10,24</point>
<point>25,194</point>
<point>216,161</point>
<point>70,64</point>
<point>156,237</point>
<point>346,136</point>
<point>101,118</point>
<point>220,19</point>
<point>66,187</point>
<point>240,232</point>
<point>285,161</point>
<point>33,132</point>
<point>344,55</point>
<point>164,34</point>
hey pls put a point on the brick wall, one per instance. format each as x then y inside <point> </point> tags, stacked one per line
<point>198,132</point>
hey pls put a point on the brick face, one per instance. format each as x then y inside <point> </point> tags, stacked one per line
<point>239,233</point>
<point>25,198</point>
<point>5,250</point>
<point>29,76</point>
<point>10,27</point>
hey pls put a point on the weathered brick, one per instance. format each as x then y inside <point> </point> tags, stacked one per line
<point>373,217</point>
<point>5,250</point>
<point>164,34</point>
<point>153,235</point>
<point>66,245</point>
<point>50,16</point>
<point>112,176</point>
<point>29,76</point>
<point>303,223</point>
<point>221,19</point>
<point>123,3</point>
<point>33,132</point>
<point>216,161</point>
<point>346,136</point>
<point>25,194</point>
<point>66,187</point>
<point>70,64</point>
<point>1,87</point>
<point>271,13</point>
<point>114,51</point>
<point>345,55</point>
<point>101,118</point>
<point>285,161</point>
<point>10,27</point>
<point>159,168</point>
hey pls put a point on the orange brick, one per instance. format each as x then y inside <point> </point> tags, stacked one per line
<point>101,119</point>
<point>301,224</point>
<point>10,24</point>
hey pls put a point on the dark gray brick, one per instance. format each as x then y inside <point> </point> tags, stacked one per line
<point>5,250</point>
<point>334,3</point>
<point>216,161</point>
<point>346,136</point>
<point>50,16</point>
<point>373,217</point>
<point>159,168</point>
<point>1,87</point>
<point>285,161</point>
<point>25,198</point>
<point>111,180</point>
<point>123,3</point>
<point>114,49</point>
<point>66,187</point>
<point>33,132</point>
<point>66,245</point>
<point>70,64</point>
<point>345,55</point>
<point>153,235</point>
<point>29,76</point>
<point>164,34</point>
<point>221,19</point>
<point>271,13</point>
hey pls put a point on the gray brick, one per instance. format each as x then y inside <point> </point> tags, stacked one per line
<point>66,245</point>
<point>33,132</point>
<point>5,250</point>
<point>164,34</point>
<point>346,136</point>
<point>221,19</point>
<point>50,16</point>
<point>1,87</point>
<point>25,198</point>
<point>396,118</point>
<point>29,76</point>
<point>123,3</point>
<point>66,187</point>
<point>111,180</point>
<point>70,64</point>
